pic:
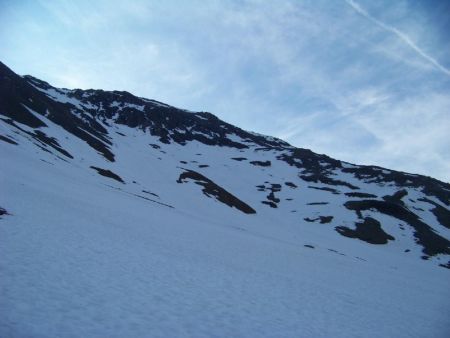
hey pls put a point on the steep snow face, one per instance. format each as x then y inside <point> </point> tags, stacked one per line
<point>122,216</point>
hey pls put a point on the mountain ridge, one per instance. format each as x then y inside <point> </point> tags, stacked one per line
<point>91,116</point>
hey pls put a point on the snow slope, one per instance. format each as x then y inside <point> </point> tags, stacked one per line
<point>141,252</point>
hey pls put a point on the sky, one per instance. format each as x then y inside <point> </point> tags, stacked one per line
<point>362,81</point>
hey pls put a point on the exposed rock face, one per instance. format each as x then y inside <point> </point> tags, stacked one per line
<point>369,230</point>
<point>211,189</point>
<point>108,173</point>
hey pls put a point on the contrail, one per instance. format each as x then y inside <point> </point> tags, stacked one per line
<point>405,38</point>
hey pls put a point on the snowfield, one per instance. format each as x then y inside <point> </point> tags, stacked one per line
<point>127,217</point>
<point>80,258</point>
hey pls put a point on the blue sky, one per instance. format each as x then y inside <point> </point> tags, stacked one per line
<point>363,81</point>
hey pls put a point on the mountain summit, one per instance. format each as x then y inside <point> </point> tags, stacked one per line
<point>186,225</point>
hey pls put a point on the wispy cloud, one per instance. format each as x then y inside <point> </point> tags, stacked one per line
<point>402,36</point>
<point>294,69</point>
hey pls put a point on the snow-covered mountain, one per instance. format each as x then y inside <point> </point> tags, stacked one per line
<point>124,216</point>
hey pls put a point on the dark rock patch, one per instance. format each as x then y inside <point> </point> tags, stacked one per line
<point>360,194</point>
<point>317,203</point>
<point>327,180</point>
<point>272,200</point>
<point>269,203</point>
<point>51,141</point>
<point>369,230</point>
<point>3,212</point>
<point>203,166</point>
<point>271,197</point>
<point>306,159</point>
<point>268,148</point>
<point>333,191</point>
<point>429,186</point>
<point>184,162</point>
<point>315,168</point>
<point>275,187</point>
<point>325,219</point>
<point>322,219</point>
<point>154,146</point>
<point>108,173</point>
<point>309,246</point>
<point>396,197</point>
<point>290,184</point>
<point>22,102</point>
<point>261,163</point>
<point>211,189</point>
<point>441,213</point>
<point>432,243</point>
<point>321,168</point>
<point>42,138</point>
<point>445,265</point>
<point>239,158</point>
<point>7,140</point>
<point>289,199</point>
<point>13,92</point>
<point>121,134</point>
